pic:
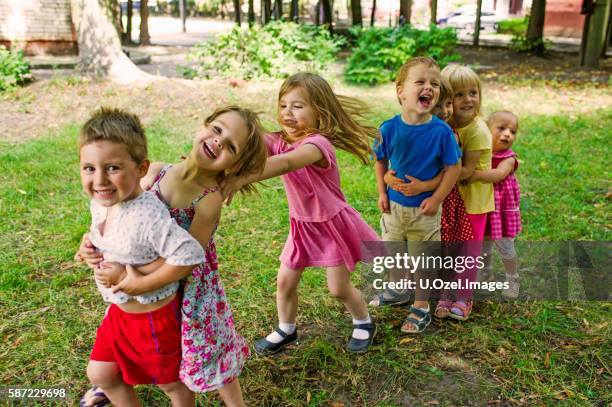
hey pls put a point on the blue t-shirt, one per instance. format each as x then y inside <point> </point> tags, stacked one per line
<point>420,150</point>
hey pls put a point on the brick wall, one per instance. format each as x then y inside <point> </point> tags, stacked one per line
<point>563,18</point>
<point>37,26</point>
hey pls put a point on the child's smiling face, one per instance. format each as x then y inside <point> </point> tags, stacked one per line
<point>503,127</point>
<point>295,112</point>
<point>466,105</point>
<point>420,91</point>
<point>219,145</point>
<point>444,109</point>
<point>109,174</point>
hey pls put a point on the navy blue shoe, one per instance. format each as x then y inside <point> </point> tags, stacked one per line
<point>362,345</point>
<point>265,347</point>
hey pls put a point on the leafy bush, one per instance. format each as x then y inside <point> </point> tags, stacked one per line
<point>14,69</point>
<point>276,50</point>
<point>514,26</point>
<point>380,52</point>
<point>520,43</point>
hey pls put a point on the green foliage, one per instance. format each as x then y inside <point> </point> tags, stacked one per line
<point>14,69</point>
<point>520,43</point>
<point>380,52</point>
<point>515,26</point>
<point>275,50</point>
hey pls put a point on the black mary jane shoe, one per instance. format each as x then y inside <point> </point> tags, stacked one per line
<point>362,345</point>
<point>265,347</point>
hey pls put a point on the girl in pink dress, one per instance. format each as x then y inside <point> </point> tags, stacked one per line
<point>325,231</point>
<point>505,222</point>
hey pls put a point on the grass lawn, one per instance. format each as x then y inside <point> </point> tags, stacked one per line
<point>522,353</point>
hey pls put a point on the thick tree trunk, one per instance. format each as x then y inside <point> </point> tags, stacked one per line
<point>251,16</point>
<point>356,12</point>
<point>278,9</point>
<point>266,11</point>
<point>434,12</point>
<point>295,11</point>
<point>595,38</point>
<point>145,38</point>
<point>327,14</point>
<point>373,15</point>
<point>113,7</point>
<point>100,51</point>
<point>405,12</point>
<point>535,29</point>
<point>477,23</point>
<point>237,16</point>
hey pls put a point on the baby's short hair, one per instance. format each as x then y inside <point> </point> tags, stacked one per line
<point>117,126</point>
<point>446,90</point>
<point>499,113</point>
<point>403,72</point>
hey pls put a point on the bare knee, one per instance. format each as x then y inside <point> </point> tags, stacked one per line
<point>103,375</point>
<point>286,285</point>
<point>171,387</point>
<point>338,291</point>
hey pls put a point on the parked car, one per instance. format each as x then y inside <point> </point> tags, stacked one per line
<point>461,10</point>
<point>466,21</point>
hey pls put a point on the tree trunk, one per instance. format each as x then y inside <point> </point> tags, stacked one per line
<point>278,9</point>
<point>265,13</point>
<point>251,16</point>
<point>535,28</point>
<point>100,50</point>
<point>405,12</point>
<point>595,38</point>
<point>128,28</point>
<point>373,15</point>
<point>295,11</point>
<point>356,13</point>
<point>183,14</point>
<point>145,38</point>
<point>327,14</point>
<point>237,17</point>
<point>477,23</point>
<point>434,12</point>
<point>113,7</point>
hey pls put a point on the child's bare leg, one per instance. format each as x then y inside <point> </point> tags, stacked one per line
<point>232,394</point>
<point>179,394</point>
<point>107,377</point>
<point>340,287</point>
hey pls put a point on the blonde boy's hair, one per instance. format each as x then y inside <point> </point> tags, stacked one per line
<point>116,126</point>
<point>339,117</point>
<point>402,74</point>
<point>461,77</point>
<point>446,90</point>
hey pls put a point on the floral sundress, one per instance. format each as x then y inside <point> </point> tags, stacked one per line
<point>213,353</point>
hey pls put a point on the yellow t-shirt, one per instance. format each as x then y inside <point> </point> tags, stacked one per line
<point>478,196</point>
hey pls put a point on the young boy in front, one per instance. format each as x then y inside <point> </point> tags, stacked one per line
<point>419,145</point>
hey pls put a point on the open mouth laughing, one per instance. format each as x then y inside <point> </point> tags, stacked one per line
<point>208,150</point>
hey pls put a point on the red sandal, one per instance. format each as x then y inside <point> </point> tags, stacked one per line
<point>461,310</point>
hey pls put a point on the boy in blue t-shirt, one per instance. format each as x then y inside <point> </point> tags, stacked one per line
<point>418,145</point>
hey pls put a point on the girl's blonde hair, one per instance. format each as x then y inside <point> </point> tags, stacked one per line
<point>252,160</point>
<point>339,117</point>
<point>462,77</point>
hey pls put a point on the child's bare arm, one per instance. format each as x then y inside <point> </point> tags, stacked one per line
<point>380,168</point>
<point>495,175</point>
<point>413,186</point>
<point>470,162</point>
<point>146,182</point>
<point>430,205</point>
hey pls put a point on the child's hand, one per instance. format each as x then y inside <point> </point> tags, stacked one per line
<point>88,253</point>
<point>391,180</point>
<point>414,187</point>
<point>108,274</point>
<point>229,186</point>
<point>429,206</point>
<point>383,203</point>
<point>132,283</point>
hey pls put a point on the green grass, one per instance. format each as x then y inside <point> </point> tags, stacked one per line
<point>534,353</point>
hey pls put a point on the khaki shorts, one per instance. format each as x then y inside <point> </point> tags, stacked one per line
<point>409,224</point>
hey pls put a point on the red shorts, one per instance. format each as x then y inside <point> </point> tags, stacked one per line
<point>146,346</point>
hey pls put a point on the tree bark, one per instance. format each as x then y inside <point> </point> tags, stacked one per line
<point>183,14</point>
<point>477,23</point>
<point>128,29</point>
<point>595,38</point>
<point>356,13</point>
<point>535,28</point>
<point>251,16</point>
<point>237,16</point>
<point>327,14</point>
<point>100,50</point>
<point>278,9</point>
<point>373,15</point>
<point>405,12</point>
<point>295,11</point>
<point>145,38</point>
<point>434,12</point>
<point>266,12</point>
